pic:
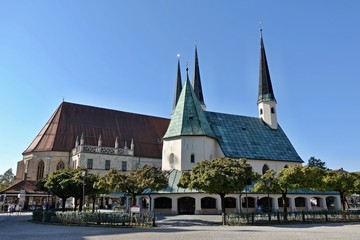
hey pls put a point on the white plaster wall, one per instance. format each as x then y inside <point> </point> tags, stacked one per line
<point>268,117</point>
<point>203,148</point>
<point>80,160</point>
<point>257,165</point>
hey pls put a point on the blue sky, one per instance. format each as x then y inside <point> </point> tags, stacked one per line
<point>123,55</point>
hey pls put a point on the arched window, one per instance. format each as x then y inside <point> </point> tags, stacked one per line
<point>208,202</point>
<point>261,111</point>
<point>230,202</point>
<point>172,158</point>
<point>40,170</point>
<point>286,166</point>
<point>60,165</point>
<point>272,110</point>
<point>192,158</point>
<point>265,169</point>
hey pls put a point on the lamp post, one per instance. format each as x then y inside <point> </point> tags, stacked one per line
<point>83,174</point>
<point>268,197</point>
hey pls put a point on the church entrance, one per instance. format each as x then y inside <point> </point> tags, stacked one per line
<point>186,205</point>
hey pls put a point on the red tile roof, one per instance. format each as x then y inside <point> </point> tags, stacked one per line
<point>28,186</point>
<point>71,120</point>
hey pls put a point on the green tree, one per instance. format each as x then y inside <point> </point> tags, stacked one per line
<point>290,179</point>
<point>135,182</point>
<point>59,183</point>
<point>221,176</point>
<point>6,179</point>
<point>343,182</point>
<point>316,162</point>
<point>94,187</point>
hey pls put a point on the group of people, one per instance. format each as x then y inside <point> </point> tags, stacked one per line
<point>13,208</point>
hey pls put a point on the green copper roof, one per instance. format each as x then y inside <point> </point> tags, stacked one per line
<point>188,118</point>
<point>251,138</point>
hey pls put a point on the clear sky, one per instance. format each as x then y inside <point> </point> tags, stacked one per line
<point>123,55</point>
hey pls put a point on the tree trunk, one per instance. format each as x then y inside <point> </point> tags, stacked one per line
<point>223,213</point>
<point>283,198</point>
<point>81,204</point>
<point>133,200</point>
<point>342,199</point>
<point>93,204</point>
<point>63,204</point>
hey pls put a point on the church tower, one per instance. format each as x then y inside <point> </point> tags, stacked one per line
<point>189,137</point>
<point>266,100</point>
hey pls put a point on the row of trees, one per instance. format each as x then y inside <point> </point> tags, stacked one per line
<point>66,183</point>
<point>221,176</point>
<point>224,176</point>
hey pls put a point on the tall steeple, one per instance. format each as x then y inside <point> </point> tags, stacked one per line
<point>197,81</point>
<point>266,99</point>
<point>178,86</point>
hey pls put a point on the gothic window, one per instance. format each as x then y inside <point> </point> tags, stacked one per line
<point>40,170</point>
<point>272,110</point>
<point>107,164</point>
<point>123,166</point>
<point>265,169</point>
<point>89,163</point>
<point>60,165</point>
<point>192,158</point>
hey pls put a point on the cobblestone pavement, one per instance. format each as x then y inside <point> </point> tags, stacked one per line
<point>175,228</point>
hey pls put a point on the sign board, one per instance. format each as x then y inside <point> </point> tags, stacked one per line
<point>135,209</point>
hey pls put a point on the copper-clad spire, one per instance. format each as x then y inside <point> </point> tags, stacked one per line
<point>266,92</point>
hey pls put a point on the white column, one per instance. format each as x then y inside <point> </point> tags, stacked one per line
<point>174,205</point>
<point>276,204</point>
<point>323,204</point>
<point>308,204</point>
<point>218,204</point>
<point>238,204</point>
<point>197,204</point>
<point>292,204</point>
<point>337,203</point>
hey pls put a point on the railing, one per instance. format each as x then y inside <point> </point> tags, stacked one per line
<point>280,217</point>
<point>102,150</point>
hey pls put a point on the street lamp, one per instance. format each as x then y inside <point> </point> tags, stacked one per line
<point>83,174</point>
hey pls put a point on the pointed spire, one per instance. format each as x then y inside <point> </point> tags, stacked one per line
<point>116,143</point>
<point>77,142</point>
<point>99,141</point>
<point>178,86</point>
<point>82,140</point>
<point>197,81</point>
<point>266,92</point>
<point>132,145</point>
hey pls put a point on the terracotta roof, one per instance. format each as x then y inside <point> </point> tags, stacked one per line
<point>28,186</point>
<point>71,120</point>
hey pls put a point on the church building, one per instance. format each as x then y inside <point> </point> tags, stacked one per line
<point>99,139</point>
